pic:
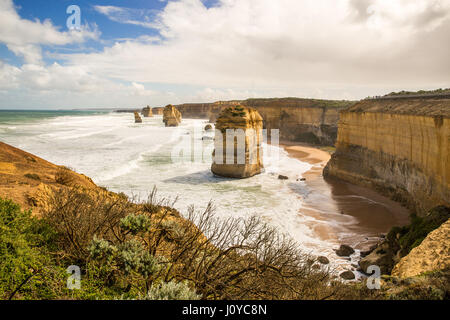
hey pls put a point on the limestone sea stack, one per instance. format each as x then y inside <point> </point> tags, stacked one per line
<point>147,112</point>
<point>158,111</point>
<point>171,116</point>
<point>246,160</point>
<point>137,117</point>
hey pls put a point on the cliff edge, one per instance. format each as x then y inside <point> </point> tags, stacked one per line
<point>25,177</point>
<point>399,147</point>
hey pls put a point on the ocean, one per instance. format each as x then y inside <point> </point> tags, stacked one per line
<point>134,158</point>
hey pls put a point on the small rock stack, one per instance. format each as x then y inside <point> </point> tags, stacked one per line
<point>137,117</point>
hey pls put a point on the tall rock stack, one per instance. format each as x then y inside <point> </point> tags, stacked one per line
<point>137,117</point>
<point>147,112</point>
<point>171,116</point>
<point>244,158</point>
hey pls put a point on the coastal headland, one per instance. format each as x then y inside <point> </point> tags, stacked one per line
<point>389,158</point>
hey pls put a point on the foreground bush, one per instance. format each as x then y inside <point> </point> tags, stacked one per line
<point>127,250</point>
<point>171,291</point>
<point>27,269</point>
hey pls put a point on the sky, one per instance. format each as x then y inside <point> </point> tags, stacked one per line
<point>155,52</point>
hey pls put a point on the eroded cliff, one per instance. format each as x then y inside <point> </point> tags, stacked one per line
<point>399,147</point>
<point>238,152</point>
<point>303,120</point>
<point>205,110</point>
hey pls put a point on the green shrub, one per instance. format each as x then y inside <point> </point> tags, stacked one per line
<point>171,291</point>
<point>124,261</point>
<point>135,224</point>
<point>27,270</point>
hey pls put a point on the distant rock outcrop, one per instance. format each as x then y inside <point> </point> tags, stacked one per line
<point>158,111</point>
<point>244,158</point>
<point>137,118</point>
<point>147,112</point>
<point>303,120</point>
<point>171,116</point>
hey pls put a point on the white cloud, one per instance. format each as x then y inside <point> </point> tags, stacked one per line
<point>242,48</point>
<point>139,90</point>
<point>8,76</point>
<point>287,43</point>
<point>139,17</point>
<point>24,37</point>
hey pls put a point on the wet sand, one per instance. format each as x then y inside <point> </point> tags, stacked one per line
<point>348,214</point>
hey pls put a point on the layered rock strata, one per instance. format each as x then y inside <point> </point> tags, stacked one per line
<point>171,116</point>
<point>205,110</point>
<point>399,147</point>
<point>303,120</point>
<point>238,151</point>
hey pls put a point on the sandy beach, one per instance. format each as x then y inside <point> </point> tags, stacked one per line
<point>352,215</point>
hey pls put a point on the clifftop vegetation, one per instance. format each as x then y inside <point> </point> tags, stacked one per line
<point>420,92</point>
<point>299,102</point>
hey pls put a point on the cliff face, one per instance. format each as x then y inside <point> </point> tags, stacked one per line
<point>246,158</point>
<point>399,147</point>
<point>205,110</point>
<point>303,120</point>
<point>171,116</point>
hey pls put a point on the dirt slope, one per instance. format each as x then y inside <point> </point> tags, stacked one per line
<point>24,176</point>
